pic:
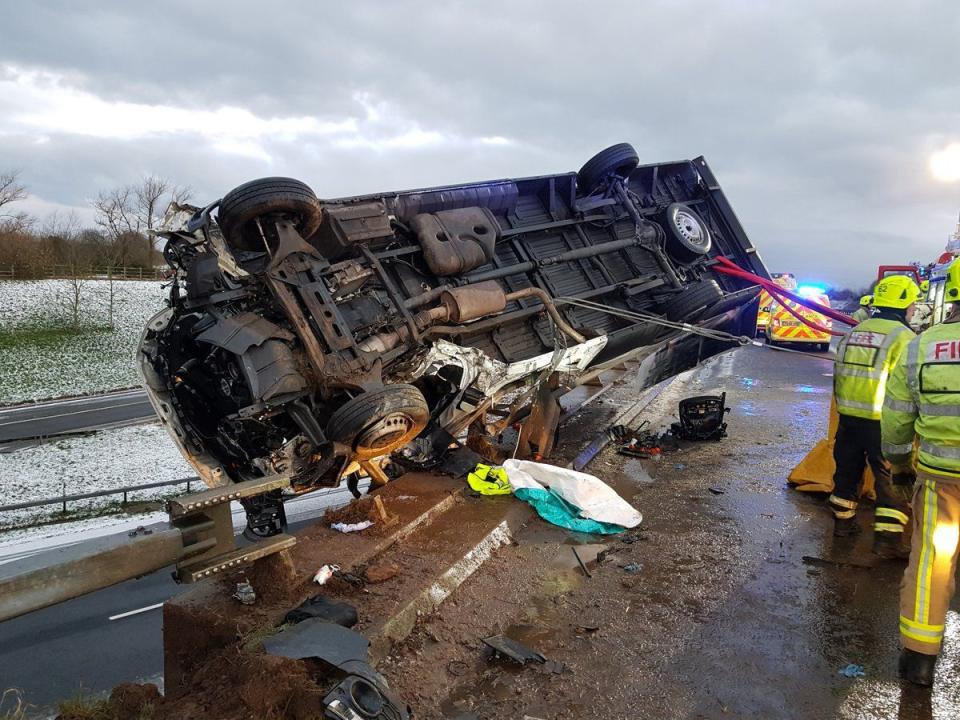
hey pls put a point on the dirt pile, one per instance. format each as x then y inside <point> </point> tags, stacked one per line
<point>235,686</point>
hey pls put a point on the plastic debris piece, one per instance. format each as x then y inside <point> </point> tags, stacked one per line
<point>852,671</point>
<point>324,608</point>
<point>457,668</point>
<point>580,562</point>
<point>351,527</point>
<point>325,573</point>
<point>513,649</point>
<point>245,593</point>
<point>633,568</point>
<point>716,491</point>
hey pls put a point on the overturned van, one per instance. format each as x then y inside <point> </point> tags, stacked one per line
<point>318,339</point>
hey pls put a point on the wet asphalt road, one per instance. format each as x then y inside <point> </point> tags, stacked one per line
<point>26,422</point>
<point>774,646</point>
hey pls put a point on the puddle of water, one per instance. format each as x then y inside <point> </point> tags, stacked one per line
<point>812,389</point>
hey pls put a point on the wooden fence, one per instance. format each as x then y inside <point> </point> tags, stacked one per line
<point>49,272</point>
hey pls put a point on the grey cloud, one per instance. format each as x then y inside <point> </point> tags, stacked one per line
<point>817,116</point>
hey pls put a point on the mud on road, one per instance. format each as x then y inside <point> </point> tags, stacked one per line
<point>723,618</point>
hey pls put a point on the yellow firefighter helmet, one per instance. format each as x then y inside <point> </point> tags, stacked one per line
<point>951,288</point>
<point>866,300</point>
<point>897,291</point>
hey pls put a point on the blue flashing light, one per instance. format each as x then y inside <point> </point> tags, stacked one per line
<point>809,290</point>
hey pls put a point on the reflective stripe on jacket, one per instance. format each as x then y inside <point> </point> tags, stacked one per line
<point>864,360</point>
<point>923,398</point>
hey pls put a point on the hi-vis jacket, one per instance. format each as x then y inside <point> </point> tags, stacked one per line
<point>864,361</point>
<point>923,398</point>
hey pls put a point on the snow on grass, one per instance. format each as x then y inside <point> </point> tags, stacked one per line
<point>42,353</point>
<point>108,459</point>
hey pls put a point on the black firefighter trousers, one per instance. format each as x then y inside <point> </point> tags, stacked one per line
<point>857,443</point>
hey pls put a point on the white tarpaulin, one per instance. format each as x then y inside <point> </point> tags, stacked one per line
<point>596,500</point>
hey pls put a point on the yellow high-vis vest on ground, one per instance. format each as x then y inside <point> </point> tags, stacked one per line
<point>865,358</point>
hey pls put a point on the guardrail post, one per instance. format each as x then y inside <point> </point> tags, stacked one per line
<point>64,489</point>
<point>124,497</point>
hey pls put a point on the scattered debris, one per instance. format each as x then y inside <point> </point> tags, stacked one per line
<point>580,562</point>
<point>489,480</point>
<point>504,646</point>
<point>641,443</point>
<point>587,628</point>
<point>323,608</point>
<point>139,530</point>
<point>245,593</point>
<point>460,461</point>
<point>631,538</point>
<point>822,562</point>
<point>716,491</point>
<point>633,568</point>
<point>363,693</point>
<point>380,573</point>
<point>701,418</point>
<point>679,466</point>
<point>325,573</point>
<point>351,527</point>
<point>457,668</point>
<point>349,578</point>
<point>852,671</point>
<point>385,518</point>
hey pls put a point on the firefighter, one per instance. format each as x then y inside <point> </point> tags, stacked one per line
<point>923,400</point>
<point>863,312</point>
<point>863,363</point>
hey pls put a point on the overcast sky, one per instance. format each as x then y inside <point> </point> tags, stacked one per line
<point>828,123</point>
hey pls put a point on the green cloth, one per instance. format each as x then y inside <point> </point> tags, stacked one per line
<point>554,509</point>
<point>488,480</point>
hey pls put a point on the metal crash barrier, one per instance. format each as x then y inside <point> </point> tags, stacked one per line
<point>199,542</point>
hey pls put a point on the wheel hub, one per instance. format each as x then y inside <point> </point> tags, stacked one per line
<point>385,434</point>
<point>689,227</point>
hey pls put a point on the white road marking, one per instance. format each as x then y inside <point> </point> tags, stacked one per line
<point>136,612</point>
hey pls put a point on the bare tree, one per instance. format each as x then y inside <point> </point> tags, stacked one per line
<point>64,231</point>
<point>134,210</point>
<point>12,190</point>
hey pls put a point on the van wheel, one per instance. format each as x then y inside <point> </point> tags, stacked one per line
<point>620,159</point>
<point>690,304</point>
<point>242,205</point>
<point>688,238</point>
<point>377,422</point>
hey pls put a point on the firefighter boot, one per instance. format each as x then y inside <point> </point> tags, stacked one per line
<point>844,516</point>
<point>887,546</point>
<point>917,667</point>
<point>845,527</point>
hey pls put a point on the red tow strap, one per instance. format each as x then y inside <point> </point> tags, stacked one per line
<point>726,267</point>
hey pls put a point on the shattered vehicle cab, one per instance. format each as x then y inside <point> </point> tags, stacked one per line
<point>317,339</point>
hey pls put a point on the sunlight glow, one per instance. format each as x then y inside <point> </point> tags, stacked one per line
<point>945,164</point>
